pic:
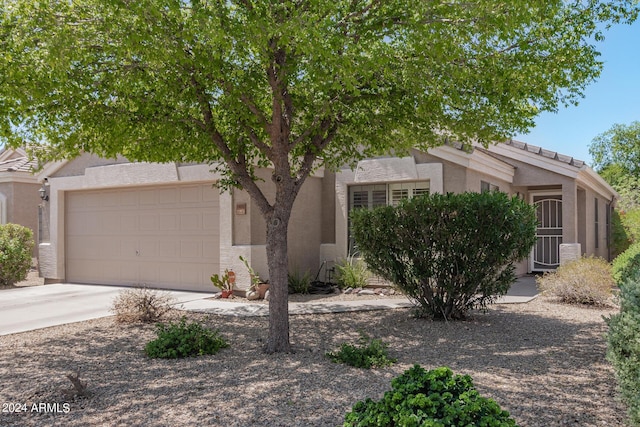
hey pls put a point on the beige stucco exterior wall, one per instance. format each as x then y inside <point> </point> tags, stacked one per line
<point>587,223</point>
<point>77,166</point>
<point>20,202</point>
<point>305,225</point>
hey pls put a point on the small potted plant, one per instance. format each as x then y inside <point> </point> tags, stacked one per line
<point>224,282</point>
<point>257,288</point>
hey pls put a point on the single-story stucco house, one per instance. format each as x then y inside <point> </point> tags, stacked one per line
<point>166,225</point>
<point>20,202</point>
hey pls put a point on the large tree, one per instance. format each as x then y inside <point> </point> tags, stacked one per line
<point>288,85</point>
<point>616,152</point>
<point>616,156</point>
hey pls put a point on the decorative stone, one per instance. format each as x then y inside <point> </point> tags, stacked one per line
<point>266,295</point>
<point>253,295</point>
<point>366,292</point>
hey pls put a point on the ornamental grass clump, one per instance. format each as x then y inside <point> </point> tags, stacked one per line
<point>587,280</point>
<point>141,304</point>
<point>435,398</point>
<point>352,273</point>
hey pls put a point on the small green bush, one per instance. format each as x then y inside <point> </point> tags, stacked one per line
<point>16,245</point>
<point>370,353</point>
<point>449,253</point>
<point>299,283</point>
<point>623,341</point>
<point>352,272</point>
<point>587,280</point>
<point>182,339</point>
<point>627,264</point>
<point>435,398</point>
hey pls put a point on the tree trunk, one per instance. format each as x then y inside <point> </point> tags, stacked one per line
<point>277,260</point>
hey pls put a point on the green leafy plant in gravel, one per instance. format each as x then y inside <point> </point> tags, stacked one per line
<point>16,244</point>
<point>627,264</point>
<point>352,273</point>
<point>369,354</point>
<point>435,398</point>
<point>623,341</point>
<point>182,339</point>
<point>299,283</point>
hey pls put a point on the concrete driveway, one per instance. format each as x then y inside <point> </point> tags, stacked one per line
<point>26,309</point>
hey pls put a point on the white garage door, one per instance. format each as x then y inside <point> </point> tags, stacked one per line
<point>164,236</point>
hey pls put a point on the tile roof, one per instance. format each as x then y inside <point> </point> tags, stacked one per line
<point>20,164</point>
<point>546,153</point>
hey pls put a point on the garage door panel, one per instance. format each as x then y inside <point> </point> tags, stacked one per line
<point>149,222</point>
<point>210,223</point>
<point>168,222</point>
<point>168,249</point>
<point>162,236</point>
<point>191,249</point>
<point>148,197</point>
<point>168,196</point>
<point>128,222</point>
<point>190,221</point>
<point>126,199</point>
<point>190,195</point>
<point>210,251</point>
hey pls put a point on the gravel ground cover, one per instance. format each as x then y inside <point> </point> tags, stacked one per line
<point>542,361</point>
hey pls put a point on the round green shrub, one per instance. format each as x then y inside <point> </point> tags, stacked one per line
<point>184,339</point>
<point>16,246</point>
<point>627,264</point>
<point>449,253</point>
<point>435,398</point>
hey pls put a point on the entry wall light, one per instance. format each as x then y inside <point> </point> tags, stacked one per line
<point>43,192</point>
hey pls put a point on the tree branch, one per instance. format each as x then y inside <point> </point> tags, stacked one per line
<point>238,167</point>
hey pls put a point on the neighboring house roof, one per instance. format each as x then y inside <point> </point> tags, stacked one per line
<point>15,166</point>
<point>20,164</point>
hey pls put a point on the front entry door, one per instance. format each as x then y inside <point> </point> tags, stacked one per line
<point>546,252</point>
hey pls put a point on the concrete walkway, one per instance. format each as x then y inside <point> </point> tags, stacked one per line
<point>523,291</point>
<point>35,307</point>
<point>30,308</point>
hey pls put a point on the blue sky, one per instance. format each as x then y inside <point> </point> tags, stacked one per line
<point>613,98</point>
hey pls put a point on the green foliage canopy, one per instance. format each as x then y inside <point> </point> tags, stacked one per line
<point>246,81</point>
<point>616,156</point>
<point>616,152</point>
